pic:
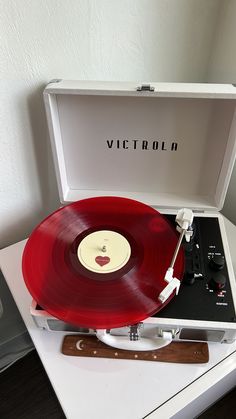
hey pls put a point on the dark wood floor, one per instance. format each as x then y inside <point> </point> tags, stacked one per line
<point>223,409</point>
<point>26,393</point>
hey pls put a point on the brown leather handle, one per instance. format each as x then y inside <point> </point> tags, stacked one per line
<point>180,352</point>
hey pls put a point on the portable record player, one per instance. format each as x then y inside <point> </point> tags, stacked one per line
<point>168,146</point>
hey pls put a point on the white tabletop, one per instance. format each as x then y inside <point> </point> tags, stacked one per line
<point>104,388</point>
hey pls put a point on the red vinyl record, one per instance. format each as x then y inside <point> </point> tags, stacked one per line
<point>100,262</point>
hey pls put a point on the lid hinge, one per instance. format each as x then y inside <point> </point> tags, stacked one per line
<point>145,88</point>
<point>54,81</point>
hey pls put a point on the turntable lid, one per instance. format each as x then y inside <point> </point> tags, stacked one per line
<point>168,144</point>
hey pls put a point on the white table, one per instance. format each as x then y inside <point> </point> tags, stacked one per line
<point>91,388</point>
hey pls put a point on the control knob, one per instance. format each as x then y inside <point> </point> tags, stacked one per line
<point>217,282</point>
<point>217,262</point>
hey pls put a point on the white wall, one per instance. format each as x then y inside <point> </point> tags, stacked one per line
<point>222,69</point>
<point>143,40</point>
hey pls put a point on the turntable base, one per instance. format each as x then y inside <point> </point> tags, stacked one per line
<point>124,388</point>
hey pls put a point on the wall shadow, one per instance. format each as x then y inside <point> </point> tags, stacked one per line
<point>42,149</point>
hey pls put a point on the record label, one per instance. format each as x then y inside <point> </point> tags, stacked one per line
<point>104,251</point>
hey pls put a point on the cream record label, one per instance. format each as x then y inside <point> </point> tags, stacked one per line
<point>104,251</point>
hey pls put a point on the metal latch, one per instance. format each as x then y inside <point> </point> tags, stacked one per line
<point>134,331</point>
<point>145,88</point>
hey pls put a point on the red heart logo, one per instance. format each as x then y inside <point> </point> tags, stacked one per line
<point>102,260</point>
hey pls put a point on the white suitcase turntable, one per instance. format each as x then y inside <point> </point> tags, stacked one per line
<point>171,147</point>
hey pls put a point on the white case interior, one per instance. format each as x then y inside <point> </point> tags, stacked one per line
<point>98,131</point>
